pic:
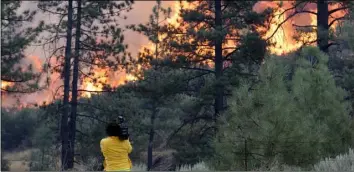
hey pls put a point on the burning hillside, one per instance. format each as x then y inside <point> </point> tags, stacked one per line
<point>285,38</point>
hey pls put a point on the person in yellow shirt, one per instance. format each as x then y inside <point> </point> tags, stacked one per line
<point>115,150</point>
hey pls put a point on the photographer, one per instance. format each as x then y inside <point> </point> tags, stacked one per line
<point>116,147</point>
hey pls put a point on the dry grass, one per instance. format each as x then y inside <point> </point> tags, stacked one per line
<point>19,160</point>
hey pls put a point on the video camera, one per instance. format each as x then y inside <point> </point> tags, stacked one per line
<point>123,133</point>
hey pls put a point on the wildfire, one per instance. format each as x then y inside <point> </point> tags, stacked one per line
<point>284,39</point>
<point>5,84</point>
<point>287,38</point>
<point>103,77</point>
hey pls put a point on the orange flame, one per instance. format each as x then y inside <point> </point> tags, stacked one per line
<point>284,39</point>
<point>5,84</point>
<point>104,77</point>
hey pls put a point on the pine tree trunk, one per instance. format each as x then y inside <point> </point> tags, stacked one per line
<point>154,111</point>
<point>64,120</point>
<point>74,93</point>
<point>151,138</point>
<point>218,60</point>
<point>322,25</point>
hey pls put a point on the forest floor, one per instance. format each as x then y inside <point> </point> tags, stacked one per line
<point>18,160</point>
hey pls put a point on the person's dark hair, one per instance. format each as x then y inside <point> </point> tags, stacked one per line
<point>113,129</point>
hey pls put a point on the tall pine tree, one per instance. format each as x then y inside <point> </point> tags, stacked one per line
<point>15,38</point>
<point>97,47</point>
<point>209,40</point>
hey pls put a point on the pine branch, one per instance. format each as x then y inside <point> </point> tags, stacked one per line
<point>194,77</point>
<point>186,122</point>
<point>336,19</point>
<point>306,11</point>
<point>337,9</point>
<point>304,25</point>
<point>198,69</point>
<point>11,80</point>
<point>95,107</point>
<point>80,132</point>
<point>53,12</point>
<point>15,19</point>
<point>289,17</point>
<point>111,14</point>
<point>92,117</point>
<point>16,91</point>
<point>229,54</point>
<point>240,73</point>
<point>83,90</point>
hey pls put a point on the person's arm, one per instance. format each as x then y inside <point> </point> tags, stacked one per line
<point>130,148</point>
<point>104,160</point>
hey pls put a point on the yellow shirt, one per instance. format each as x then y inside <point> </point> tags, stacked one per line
<point>115,153</point>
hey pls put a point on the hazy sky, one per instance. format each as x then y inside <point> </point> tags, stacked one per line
<point>139,14</point>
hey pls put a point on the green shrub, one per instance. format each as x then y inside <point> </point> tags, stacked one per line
<point>43,160</point>
<point>4,164</point>
<point>276,166</point>
<point>201,166</point>
<point>344,162</point>
<point>139,167</point>
<point>17,128</point>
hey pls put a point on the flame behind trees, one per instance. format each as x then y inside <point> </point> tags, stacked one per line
<point>297,23</point>
<point>291,25</point>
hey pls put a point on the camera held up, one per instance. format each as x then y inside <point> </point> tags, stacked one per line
<point>123,133</point>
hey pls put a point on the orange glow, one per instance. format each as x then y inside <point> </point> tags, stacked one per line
<point>36,62</point>
<point>284,39</point>
<point>5,84</point>
<point>104,77</point>
<point>130,77</point>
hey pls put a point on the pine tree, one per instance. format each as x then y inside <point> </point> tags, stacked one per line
<point>209,36</point>
<point>64,130</point>
<point>74,92</point>
<point>294,122</point>
<point>89,54</point>
<point>262,114</point>
<point>341,62</point>
<point>15,38</point>
<point>151,87</point>
<point>317,96</point>
<point>190,58</point>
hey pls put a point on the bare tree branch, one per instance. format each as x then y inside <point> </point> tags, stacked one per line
<point>92,117</point>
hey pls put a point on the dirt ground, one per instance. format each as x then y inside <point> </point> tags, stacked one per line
<point>18,160</point>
